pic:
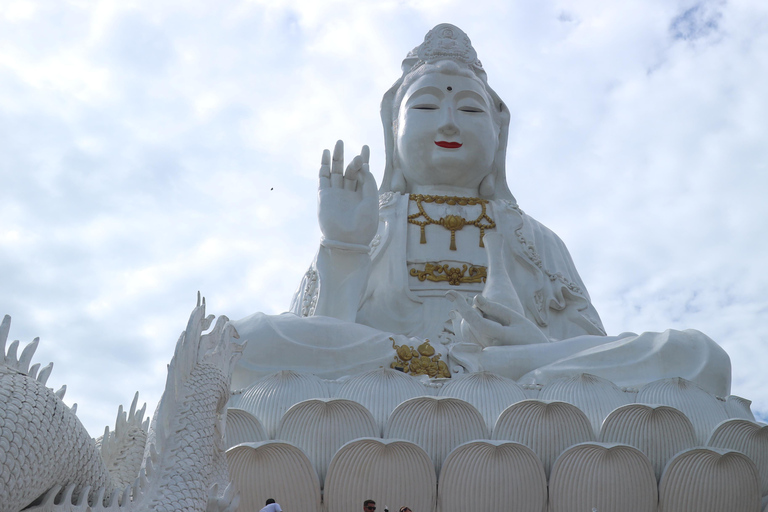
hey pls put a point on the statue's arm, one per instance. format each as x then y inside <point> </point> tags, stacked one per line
<point>348,214</point>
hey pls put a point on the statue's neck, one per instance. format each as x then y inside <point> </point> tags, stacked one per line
<point>444,190</point>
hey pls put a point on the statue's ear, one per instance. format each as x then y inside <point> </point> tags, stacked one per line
<point>488,185</point>
<point>398,180</point>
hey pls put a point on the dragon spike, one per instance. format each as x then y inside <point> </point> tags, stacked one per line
<point>228,501</point>
<point>153,453</point>
<point>42,378</point>
<point>112,500</point>
<point>83,495</point>
<point>143,479</point>
<point>74,409</point>
<point>208,321</point>
<point>33,371</point>
<point>49,498</point>
<point>132,412</point>
<point>26,355</point>
<point>145,425</point>
<point>61,392</point>
<point>120,420</point>
<point>11,358</point>
<point>126,496</point>
<point>66,495</point>
<point>5,328</point>
<point>149,467</point>
<point>98,498</point>
<point>104,442</point>
<point>141,412</point>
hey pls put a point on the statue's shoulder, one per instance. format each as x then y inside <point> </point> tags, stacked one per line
<point>524,226</point>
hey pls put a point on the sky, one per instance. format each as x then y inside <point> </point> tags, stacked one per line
<point>151,150</point>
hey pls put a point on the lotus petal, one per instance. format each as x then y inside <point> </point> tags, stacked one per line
<point>390,472</point>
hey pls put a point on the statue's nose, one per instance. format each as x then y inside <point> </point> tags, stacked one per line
<point>448,126</point>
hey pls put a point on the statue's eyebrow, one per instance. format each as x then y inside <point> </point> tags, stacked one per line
<point>471,94</point>
<point>434,91</point>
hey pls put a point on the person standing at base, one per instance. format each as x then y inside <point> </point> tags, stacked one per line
<point>369,506</point>
<point>271,506</point>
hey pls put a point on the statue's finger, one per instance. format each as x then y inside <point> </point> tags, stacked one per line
<point>325,170</point>
<point>350,176</point>
<point>493,310</point>
<point>464,309</point>
<point>365,154</point>
<point>337,165</point>
<point>369,183</point>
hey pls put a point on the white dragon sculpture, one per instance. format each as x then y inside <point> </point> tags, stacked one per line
<point>49,463</point>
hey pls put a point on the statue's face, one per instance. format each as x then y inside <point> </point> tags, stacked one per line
<point>446,134</point>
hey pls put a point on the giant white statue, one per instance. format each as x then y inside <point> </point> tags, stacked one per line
<point>442,258</point>
<point>441,275</point>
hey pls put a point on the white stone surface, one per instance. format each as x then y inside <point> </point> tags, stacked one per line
<point>609,478</point>
<point>320,427</point>
<point>270,397</point>
<point>710,480</point>
<point>243,427</point>
<point>659,431</point>
<point>547,428</point>
<point>274,469</point>
<point>489,393</point>
<point>381,391</point>
<point>748,438</point>
<point>387,471</point>
<point>739,407</point>
<point>436,424</point>
<point>492,475</point>
<point>596,397</point>
<point>702,408</point>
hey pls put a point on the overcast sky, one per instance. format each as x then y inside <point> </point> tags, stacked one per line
<point>151,149</point>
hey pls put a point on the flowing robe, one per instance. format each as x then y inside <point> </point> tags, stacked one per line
<point>390,309</point>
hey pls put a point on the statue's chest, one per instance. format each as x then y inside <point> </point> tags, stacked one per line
<point>444,247</point>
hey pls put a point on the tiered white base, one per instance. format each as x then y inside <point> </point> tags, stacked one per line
<point>483,442</point>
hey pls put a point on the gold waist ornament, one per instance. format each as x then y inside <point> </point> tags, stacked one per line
<point>455,276</point>
<point>452,223</point>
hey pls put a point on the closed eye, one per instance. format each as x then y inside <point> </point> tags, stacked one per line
<point>473,110</point>
<point>425,106</point>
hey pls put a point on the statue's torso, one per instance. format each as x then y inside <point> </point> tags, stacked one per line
<point>404,296</point>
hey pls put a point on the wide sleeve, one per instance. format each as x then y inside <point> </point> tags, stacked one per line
<point>554,296</point>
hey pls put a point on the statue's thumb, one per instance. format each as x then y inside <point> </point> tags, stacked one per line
<point>369,182</point>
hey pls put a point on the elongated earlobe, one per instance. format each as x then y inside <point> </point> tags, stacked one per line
<point>398,181</point>
<point>488,185</point>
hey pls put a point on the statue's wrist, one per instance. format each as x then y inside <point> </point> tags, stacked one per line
<point>345,246</point>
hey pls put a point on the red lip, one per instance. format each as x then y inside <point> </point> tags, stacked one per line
<point>449,145</point>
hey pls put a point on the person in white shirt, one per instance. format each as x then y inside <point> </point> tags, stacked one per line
<point>271,506</point>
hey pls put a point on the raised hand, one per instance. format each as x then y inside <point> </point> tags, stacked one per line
<point>347,201</point>
<point>488,323</point>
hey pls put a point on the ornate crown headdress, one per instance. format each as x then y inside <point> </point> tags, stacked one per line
<point>445,41</point>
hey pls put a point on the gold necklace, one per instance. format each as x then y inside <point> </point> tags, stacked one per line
<point>452,223</point>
